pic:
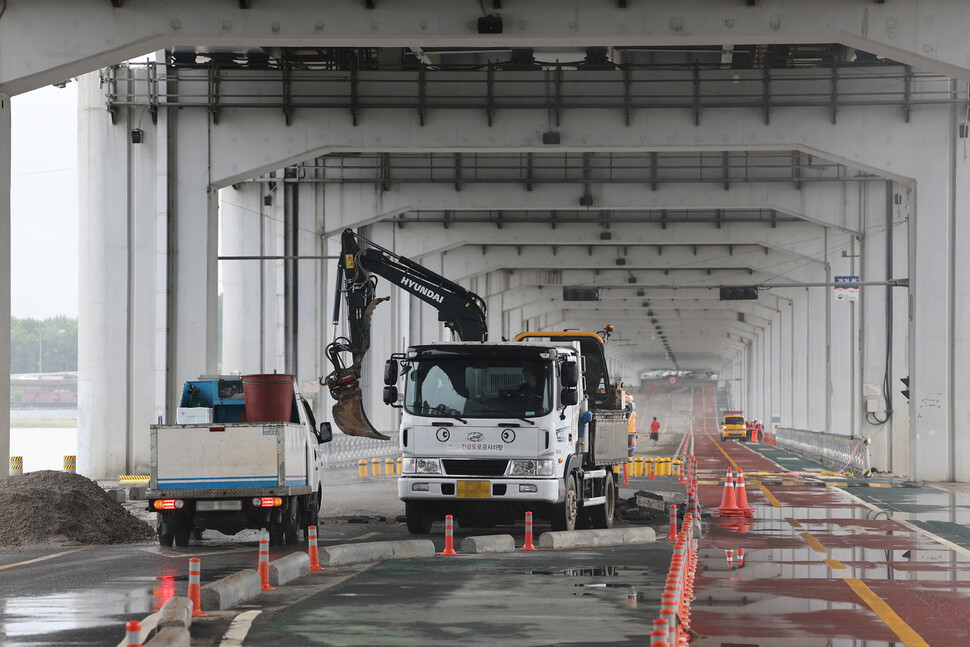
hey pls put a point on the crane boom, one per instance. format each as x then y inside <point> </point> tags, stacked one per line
<point>461,310</point>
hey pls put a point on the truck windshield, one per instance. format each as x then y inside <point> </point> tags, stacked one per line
<point>734,420</point>
<point>478,389</point>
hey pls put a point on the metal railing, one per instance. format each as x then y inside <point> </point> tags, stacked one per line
<point>346,451</point>
<point>843,453</point>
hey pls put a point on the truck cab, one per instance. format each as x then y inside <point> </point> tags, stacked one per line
<point>732,426</point>
<point>492,430</point>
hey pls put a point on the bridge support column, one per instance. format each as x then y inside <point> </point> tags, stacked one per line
<point>4,283</point>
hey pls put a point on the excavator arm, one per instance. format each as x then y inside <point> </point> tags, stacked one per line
<point>461,310</point>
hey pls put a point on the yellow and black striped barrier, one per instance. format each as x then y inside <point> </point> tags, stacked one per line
<point>134,479</point>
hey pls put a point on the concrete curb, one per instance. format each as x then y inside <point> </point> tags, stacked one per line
<point>176,612</point>
<point>229,591</point>
<point>171,637</point>
<point>488,544</point>
<point>287,569</point>
<point>375,551</point>
<point>588,538</point>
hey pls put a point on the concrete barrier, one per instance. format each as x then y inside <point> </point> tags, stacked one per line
<point>171,637</point>
<point>286,569</point>
<point>375,551</point>
<point>488,544</point>
<point>230,591</point>
<point>587,538</point>
<point>176,612</point>
<point>410,548</point>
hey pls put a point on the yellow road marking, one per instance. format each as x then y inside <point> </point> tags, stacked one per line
<point>771,497</point>
<point>729,459</point>
<point>793,523</point>
<point>44,558</point>
<point>813,543</point>
<point>880,485</point>
<point>836,564</point>
<point>906,633</point>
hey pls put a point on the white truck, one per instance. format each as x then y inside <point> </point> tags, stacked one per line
<point>217,470</point>
<point>491,430</point>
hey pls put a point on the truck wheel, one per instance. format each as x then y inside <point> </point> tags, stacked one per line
<point>564,514</point>
<point>602,515</point>
<point>182,538</point>
<point>165,539</point>
<point>419,521</point>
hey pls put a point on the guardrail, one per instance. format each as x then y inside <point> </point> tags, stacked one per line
<point>347,451</point>
<point>838,451</point>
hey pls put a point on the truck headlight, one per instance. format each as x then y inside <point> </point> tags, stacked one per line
<point>426,466</point>
<point>531,468</point>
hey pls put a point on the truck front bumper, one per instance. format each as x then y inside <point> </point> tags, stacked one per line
<point>423,488</point>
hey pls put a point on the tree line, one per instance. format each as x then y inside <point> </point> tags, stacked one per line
<point>48,346</point>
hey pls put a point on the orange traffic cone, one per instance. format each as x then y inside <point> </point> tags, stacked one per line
<point>741,496</point>
<point>729,506</point>
<point>195,589</point>
<point>729,554</point>
<point>449,536</point>
<point>528,533</point>
<point>740,557</point>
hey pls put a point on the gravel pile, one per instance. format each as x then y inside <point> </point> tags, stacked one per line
<point>49,507</point>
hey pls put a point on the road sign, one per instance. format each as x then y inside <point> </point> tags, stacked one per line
<point>672,379</point>
<point>847,293</point>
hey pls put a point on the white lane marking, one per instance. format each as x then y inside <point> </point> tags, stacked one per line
<point>157,550</point>
<point>946,542</point>
<point>239,629</point>
<point>147,627</point>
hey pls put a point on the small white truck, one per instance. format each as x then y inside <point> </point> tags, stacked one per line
<point>218,471</point>
<point>491,430</point>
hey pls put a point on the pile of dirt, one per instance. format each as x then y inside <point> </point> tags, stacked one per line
<point>49,507</point>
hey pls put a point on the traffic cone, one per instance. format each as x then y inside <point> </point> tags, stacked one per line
<point>449,537</point>
<point>312,549</point>
<point>133,634</point>
<point>528,532</point>
<point>729,506</point>
<point>264,565</point>
<point>729,555</point>
<point>626,475</point>
<point>672,534</point>
<point>740,557</point>
<point>741,496</point>
<point>195,590</point>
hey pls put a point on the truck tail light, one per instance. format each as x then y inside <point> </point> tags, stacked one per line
<point>267,502</point>
<point>168,504</point>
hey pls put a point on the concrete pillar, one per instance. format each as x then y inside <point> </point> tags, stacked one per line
<point>4,284</point>
<point>192,284</point>
<point>241,234</point>
<point>104,309</point>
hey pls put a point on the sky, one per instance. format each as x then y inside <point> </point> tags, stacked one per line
<point>44,203</point>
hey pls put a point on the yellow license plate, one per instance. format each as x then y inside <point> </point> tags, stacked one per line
<point>474,489</point>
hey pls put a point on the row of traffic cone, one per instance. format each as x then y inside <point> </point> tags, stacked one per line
<point>671,628</point>
<point>729,555</point>
<point>734,498</point>
<point>133,628</point>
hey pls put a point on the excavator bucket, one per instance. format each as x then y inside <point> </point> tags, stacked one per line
<point>349,416</point>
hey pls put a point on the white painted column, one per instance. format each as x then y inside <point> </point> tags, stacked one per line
<point>240,226</point>
<point>5,284</point>
<point>817,400</point>
<point>103,286</point>
<point>192,301</point>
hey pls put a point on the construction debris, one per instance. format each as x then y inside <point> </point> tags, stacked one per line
<point>48,507</point>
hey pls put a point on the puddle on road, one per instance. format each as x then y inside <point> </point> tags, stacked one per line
<point>46,614</point>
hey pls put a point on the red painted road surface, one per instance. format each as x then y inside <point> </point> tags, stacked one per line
<point>819,567</point>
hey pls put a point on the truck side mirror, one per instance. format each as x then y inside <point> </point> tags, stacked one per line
<point>326,432</point>
<point>569,397</point>
<point>570,374</point>
<point>390,395</point>
<point>390,372</point>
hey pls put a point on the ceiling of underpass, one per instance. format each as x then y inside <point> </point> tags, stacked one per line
<point>662,297</point>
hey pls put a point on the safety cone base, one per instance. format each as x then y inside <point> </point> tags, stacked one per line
<point>448,552</point>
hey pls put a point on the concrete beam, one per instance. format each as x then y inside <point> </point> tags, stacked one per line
<point>91,33</point>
